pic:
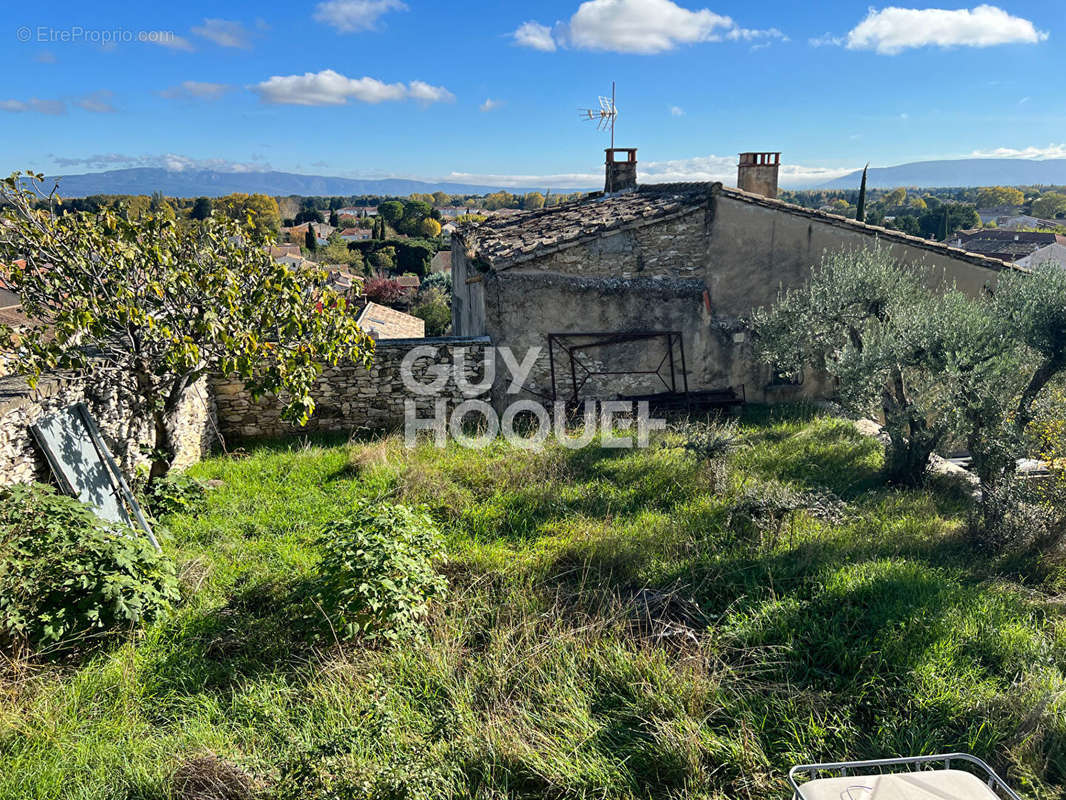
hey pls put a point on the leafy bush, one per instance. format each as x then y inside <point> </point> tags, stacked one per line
<point>65,573</point>
<point>765,507</point>
<point>377,575</point>
<point>438,280</point>
<point>341,767</point>
<point>1016,513</point>
<point>175,493</point>
<point>709,441</point>
<point>434,307</point>
<point>385,291</point>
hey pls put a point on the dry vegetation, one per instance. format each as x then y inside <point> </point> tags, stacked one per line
<point>613,628</point>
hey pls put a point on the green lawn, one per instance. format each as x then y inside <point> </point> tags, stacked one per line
<point>879,632</point>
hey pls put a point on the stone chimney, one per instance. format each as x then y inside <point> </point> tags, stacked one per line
<point>757,173</point>
<point>621,175</point>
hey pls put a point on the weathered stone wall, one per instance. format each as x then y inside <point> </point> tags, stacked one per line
<point>350,397</point>
<point>739,250</point>
<point>674,247</point>
<point>21,460</point>
<point>529,305</point>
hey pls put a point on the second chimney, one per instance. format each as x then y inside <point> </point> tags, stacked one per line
<point>621,174</point>
<point>757,173</point>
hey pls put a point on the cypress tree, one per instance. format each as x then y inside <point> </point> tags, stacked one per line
<point>942,235</point>
<point>310,240</point>
<point>860,210</point>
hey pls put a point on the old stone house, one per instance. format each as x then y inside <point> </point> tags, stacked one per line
<point>695,258</point>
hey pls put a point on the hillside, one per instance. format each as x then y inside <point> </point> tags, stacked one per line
<point>961,172</point>
<point>213,183</point>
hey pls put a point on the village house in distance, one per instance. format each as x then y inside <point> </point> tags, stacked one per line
<point>693,258</point>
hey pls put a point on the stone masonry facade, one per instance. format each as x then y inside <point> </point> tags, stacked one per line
<point>350,398</point>
<point>673,248</point>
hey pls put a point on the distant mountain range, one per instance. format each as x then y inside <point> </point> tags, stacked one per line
<point>212,183</point>
<point>962,172</point>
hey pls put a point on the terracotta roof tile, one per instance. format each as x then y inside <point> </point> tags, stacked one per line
<point>383,322</point>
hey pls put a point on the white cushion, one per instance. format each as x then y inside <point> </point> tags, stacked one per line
<point>941,784</point>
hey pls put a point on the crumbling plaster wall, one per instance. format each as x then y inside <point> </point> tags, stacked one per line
<point>524,307</point>
<point>755,250</point>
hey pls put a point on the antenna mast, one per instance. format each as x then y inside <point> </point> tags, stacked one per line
<point>604,116</point>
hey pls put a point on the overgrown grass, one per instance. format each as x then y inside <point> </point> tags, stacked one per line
<point>612,630</point>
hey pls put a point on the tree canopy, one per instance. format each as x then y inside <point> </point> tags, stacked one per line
<point>154,306</point>
<point>993,196</point>
<point>257,214</point>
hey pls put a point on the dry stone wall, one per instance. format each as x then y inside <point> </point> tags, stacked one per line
<point>350,397</point>
<point>21,461</point>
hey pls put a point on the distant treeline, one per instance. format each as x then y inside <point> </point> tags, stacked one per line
<point>937,213</point>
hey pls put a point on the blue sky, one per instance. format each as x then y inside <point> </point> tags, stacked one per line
<point>489,92</point>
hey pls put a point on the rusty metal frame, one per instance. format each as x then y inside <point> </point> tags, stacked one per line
<point>572,349</point>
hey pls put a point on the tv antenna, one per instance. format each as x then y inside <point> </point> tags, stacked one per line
<point>604,116</point>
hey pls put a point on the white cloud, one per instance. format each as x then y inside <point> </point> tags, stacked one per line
<point>748,35</point>
<point>34,104</point>
<point>351,16</point>
<point>892,30</point>
<point>169,161</point>
<point>826,40</point>
<point>677,111</point>
<point>1036,153</point>
<point>642,26</point>
<point>169,40</point>
<point>701,168</point>
<point>424,93</point>
<point>225,33</point>
<point>490,104</point>
<point>326,88</point>
<point>536,36</point>
<point>200,90</point>
<point>724,169</point>
<point>98,102</point>
<point>563,181</point>
<point>330,88</point>
<point>638,26</point>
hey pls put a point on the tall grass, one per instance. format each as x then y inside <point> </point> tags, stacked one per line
<point>612,630</point>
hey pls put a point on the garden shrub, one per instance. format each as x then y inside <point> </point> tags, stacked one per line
<point>174,493</point>
<point>341,768</point>
<point>710,441</point>
<point>1016,513</point>
<point>65,573</point>
<point>377,576</point>
<point>764,508</point>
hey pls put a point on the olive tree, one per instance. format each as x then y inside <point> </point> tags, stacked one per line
<point>861,318</point>
<point>154,306</point>
<point>1000,355</point>
<point>937,366</point>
